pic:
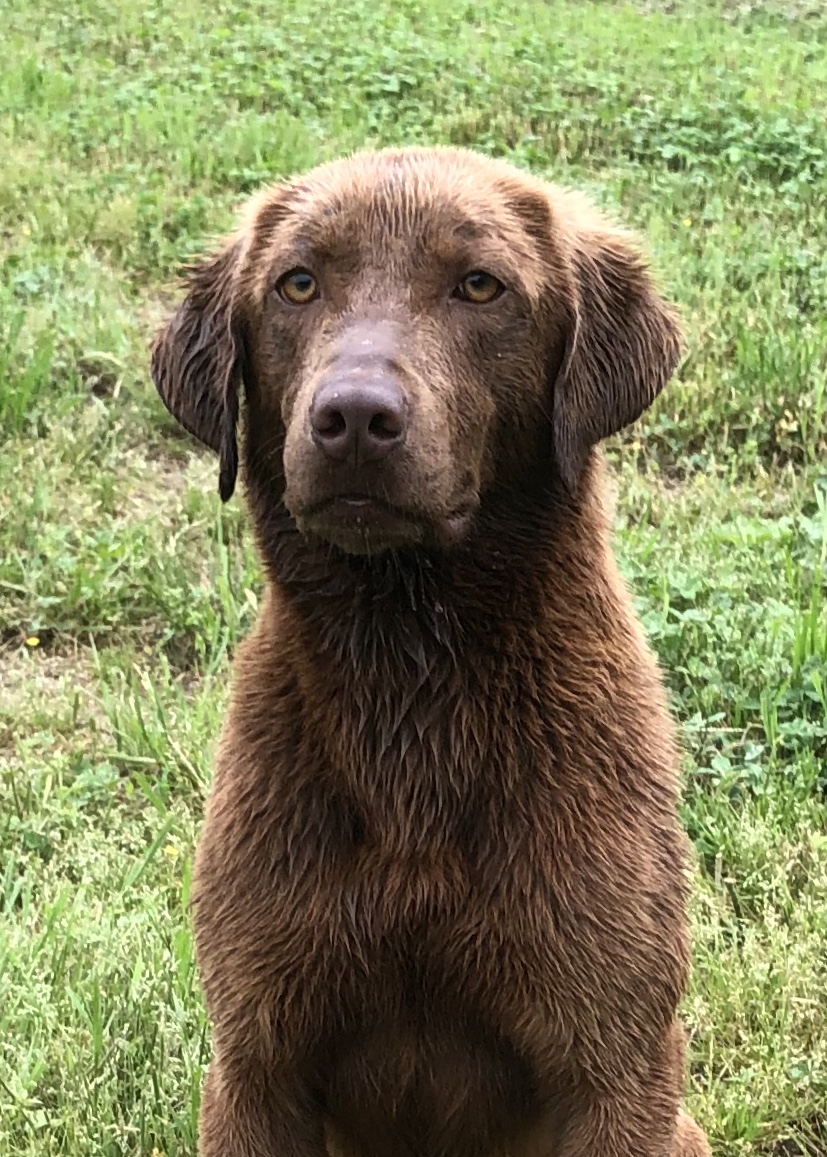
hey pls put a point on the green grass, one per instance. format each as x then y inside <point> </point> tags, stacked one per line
<point>127,137</point>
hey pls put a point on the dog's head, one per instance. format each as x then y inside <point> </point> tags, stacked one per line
<point>414,330</point>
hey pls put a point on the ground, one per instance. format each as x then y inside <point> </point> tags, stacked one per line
<point>128,134</point>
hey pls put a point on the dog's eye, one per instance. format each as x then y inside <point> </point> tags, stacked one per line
<point>479,287</point>
<point>298,287</point>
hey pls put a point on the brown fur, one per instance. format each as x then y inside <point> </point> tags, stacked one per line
<point>440,902</point>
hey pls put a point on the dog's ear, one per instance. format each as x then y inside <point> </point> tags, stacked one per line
<point>623,344</point>
<point>196,362</point>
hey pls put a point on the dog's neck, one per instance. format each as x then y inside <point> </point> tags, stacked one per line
<point>404,660</point>
<point>411,611</point>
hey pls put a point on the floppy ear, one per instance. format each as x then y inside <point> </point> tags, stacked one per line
<point>623,345</point>
<point>196,362</point>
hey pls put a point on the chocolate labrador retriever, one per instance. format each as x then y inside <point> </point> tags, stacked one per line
<point>440,891</point>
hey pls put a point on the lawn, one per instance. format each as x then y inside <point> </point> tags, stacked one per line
<point>128,135</point>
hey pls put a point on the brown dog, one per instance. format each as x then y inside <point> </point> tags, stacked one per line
<point>441,887</point>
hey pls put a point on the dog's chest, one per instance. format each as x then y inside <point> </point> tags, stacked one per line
<point>457,863</point>
<point>410,1084</point>
<point>449,929</point>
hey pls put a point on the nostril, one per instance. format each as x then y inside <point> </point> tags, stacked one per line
<point>330,423</point>
<point>385,426</point>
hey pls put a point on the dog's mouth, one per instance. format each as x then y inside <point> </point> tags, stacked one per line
<point>365,524</point>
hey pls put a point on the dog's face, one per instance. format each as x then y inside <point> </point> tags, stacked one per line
<point>414,329</point>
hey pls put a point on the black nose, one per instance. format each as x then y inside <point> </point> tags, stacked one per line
<point>358,420</point>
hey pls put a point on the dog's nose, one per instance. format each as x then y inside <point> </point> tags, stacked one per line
<point>363,421</point>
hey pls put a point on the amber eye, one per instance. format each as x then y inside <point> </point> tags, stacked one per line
<point>479,287</point>
<point>298,287</point>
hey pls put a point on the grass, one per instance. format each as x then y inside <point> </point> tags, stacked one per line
<point>127,137</point>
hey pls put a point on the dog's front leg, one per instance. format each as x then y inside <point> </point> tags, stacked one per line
<point>640,1117</point>
<point>629,1130</point>
<point>253,1114</point>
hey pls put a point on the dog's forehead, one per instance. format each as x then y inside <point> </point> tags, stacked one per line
<point>396,200</point>
<point>403,204</point>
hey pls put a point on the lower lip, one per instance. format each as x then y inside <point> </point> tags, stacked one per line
<point>360,524</point>
<point>355,503</point>
<point>365,512</point>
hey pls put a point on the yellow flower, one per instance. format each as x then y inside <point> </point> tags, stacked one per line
<point>32,641</point>
<point>171,851</point>
<point>687,221</point>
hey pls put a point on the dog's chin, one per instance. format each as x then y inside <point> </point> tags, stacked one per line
<point>367,526</point>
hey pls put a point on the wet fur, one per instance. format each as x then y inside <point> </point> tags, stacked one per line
<point>440,890</point>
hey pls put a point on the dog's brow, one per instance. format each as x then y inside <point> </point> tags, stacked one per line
<point>323,247</point>
<point>451,244</point>
<point>469,231</point>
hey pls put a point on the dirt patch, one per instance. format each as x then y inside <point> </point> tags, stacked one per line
<point>155,308</point>
<point>55,690</point>
<point>158,480</point>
